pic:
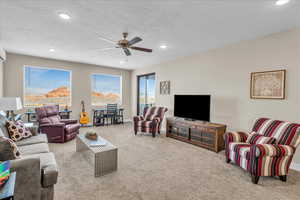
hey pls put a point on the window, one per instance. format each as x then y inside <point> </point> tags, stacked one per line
<point>46,86</point>
<point>106,89</point>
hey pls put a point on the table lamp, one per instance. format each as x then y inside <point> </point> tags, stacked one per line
<point>10,104</point>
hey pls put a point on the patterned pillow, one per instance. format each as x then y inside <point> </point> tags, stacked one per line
<point>8,149</point>
<point>255,138</point>
<point>17,131</point>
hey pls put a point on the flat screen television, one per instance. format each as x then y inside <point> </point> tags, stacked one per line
<point>193,107</point>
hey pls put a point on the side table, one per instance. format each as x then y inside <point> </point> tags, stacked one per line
<point>7,191</point>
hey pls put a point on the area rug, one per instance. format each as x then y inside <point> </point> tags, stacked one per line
<point>161,168</point>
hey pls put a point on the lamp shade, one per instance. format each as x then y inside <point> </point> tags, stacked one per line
<point>10,103</point>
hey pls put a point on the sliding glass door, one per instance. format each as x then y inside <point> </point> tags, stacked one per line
<point>146,92</point>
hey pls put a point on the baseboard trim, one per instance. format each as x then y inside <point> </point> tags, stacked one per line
<point>295,166</point>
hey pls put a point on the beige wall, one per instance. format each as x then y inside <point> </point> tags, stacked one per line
<point>81,84</point>
<point>225,74</point>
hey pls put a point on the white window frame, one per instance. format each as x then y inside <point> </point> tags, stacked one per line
<point>114,75</point>
<point>49,68</point>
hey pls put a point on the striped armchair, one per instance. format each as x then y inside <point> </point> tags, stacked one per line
<point>151,120</point>
<point>267,151</point>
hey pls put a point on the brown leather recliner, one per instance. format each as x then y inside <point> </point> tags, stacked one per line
<point>57,129</point>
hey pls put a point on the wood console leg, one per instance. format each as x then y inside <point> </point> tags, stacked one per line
<point>283,178</point>
<point>255,179</point>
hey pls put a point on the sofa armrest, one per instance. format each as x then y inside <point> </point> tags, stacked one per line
<point>156,120</point>
<point>28,181</point>
<point>69,121</point>
<point>138,118</point>
<point>54,132</point>
<point>272,150</point>
<point>236,136</point>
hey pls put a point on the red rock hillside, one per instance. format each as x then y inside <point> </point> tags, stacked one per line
<point>109,96</point>
<point>58,92</point>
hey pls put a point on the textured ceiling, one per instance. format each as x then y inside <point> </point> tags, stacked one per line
<point>32,27</point>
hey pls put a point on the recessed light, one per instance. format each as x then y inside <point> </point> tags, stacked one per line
<point>64,16</point>
<point>282,2</point>
<point>51,50</point>
<point>163,46</point>
<point>122,62</point>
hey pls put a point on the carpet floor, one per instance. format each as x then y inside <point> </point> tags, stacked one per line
<point>161,168</point>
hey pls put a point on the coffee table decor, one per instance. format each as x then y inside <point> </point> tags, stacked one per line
<point>101,153</point>
<point>91,135</point>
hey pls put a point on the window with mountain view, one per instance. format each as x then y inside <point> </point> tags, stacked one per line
<point>46,86</point>
<point>106,89</point>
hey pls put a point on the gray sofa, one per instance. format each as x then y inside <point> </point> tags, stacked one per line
<point>36,169</point>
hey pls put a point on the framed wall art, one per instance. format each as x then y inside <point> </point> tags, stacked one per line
<point>268,85</point>
<point>164,87</point>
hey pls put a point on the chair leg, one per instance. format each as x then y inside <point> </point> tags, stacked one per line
<point>227,160</point>
<point>135,132</point>
<point>283,178</point>
<point>254,179</point>
<point>153,134</point>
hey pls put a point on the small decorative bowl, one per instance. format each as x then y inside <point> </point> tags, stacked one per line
<point>91,135</point>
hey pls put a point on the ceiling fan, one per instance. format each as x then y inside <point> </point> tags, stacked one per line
<point>125,44</point>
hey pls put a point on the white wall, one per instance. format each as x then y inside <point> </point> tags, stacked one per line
<point>225,74</point>
<point>81,84</point>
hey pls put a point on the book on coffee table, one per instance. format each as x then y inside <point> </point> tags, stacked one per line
<point>97,143</point>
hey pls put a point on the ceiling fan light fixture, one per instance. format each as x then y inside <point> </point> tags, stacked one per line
<point>282,2</point>
<point>51,50</point>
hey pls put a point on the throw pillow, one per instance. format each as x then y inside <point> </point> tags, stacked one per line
<point>255,138</point>
<point>17,131</point>
<point>8,149</point>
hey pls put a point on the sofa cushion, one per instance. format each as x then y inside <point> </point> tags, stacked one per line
<point>48,166</point>
<point>260,139</point>
<point>70,128</point>
<point>34,149</point>
<point>144,123</point>
<point>285,133</point>
<point>50,120</point>
<point>8,149</point>
<point>40,138</point>
<point>17,130</point>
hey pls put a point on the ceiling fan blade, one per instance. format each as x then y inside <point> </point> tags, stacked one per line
<point>141,49</point>
<point>134,41</point>
<point>107,40</point>
<point>127,52</point>
<point>108,48</point>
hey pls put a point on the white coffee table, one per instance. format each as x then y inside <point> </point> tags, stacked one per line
<point>104,158</point>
